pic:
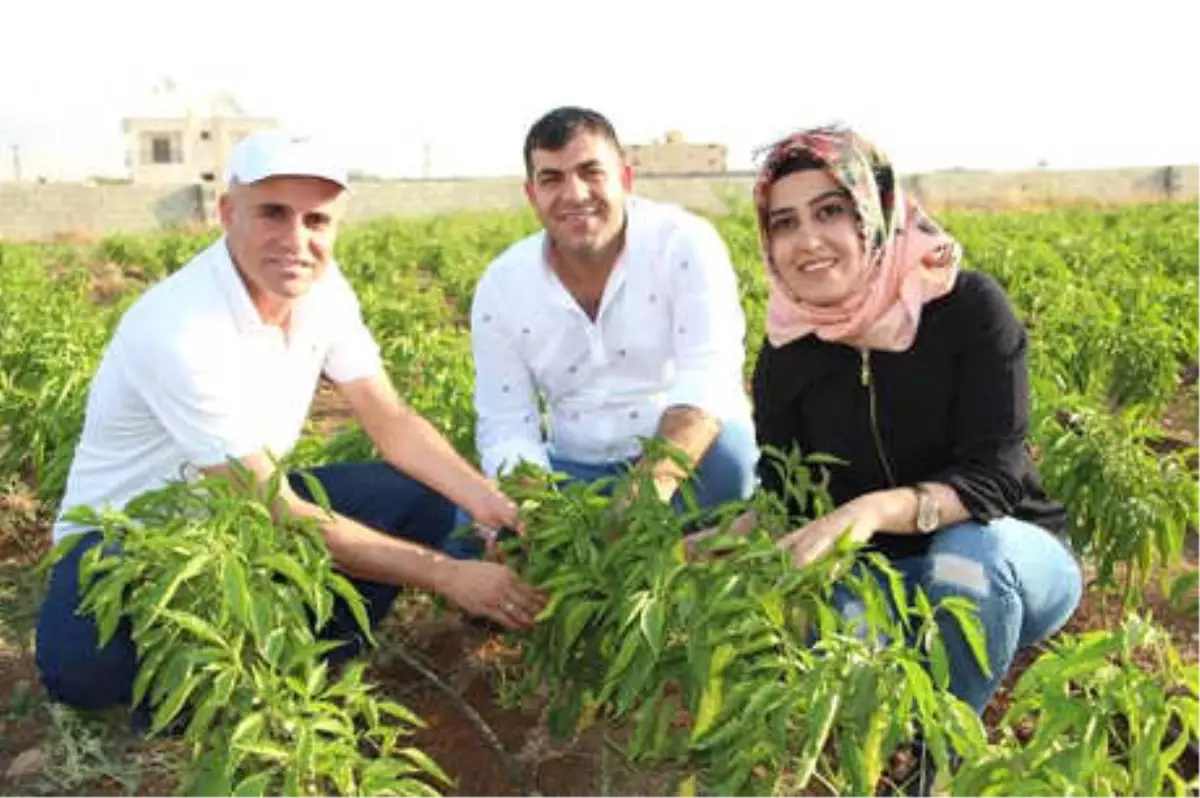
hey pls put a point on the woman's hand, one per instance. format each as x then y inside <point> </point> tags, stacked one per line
<point>740,527</point>
<point>818,537</point>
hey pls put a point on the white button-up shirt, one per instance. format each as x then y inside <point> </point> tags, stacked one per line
<point>193,376</point>
<point>669,331</point>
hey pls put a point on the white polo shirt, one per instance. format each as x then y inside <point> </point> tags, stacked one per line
<point>193,377</point>
<point>670,330</point>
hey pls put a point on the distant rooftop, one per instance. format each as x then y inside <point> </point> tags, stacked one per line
<point>169,101</point>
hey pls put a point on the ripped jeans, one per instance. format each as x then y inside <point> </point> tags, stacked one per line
<point>1024,580</point>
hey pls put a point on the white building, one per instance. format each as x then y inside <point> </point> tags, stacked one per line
<point>178,138</point>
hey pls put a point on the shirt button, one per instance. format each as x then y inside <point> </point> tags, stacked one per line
<point>505,389</point>
<point>573,369</point>
<point>633,414</point>
<point>575,416</point>
<point>621,353</point>
<point>487,316</point>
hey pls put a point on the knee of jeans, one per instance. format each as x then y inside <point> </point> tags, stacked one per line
<point>1045,616</point>
<point>954,573</point>
<point>94,679</point>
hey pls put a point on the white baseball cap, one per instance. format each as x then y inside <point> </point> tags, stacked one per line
<point>277,152</point>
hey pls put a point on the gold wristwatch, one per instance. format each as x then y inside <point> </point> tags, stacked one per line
<point>929,513</point>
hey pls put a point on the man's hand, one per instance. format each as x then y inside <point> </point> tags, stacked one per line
<point>491,590</point>
<point>688,430</point>
<point>818,537</point>
<point>493,514</point>
<point>492,511</point>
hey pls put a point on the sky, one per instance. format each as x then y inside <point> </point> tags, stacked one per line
<point>445,88</point>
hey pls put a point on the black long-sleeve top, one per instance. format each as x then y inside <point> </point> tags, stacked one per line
<point>953,408</point>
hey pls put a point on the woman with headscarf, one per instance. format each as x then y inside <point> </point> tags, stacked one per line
<point>882,352</point>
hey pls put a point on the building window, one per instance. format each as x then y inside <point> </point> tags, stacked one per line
<point>163,148</point>
<point>160,149</point>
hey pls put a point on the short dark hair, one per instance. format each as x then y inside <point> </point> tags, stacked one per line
<point>554,130</point>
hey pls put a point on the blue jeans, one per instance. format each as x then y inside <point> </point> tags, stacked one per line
<point>75,671</point>
<point>725,473</point>
<point>1023,579</point>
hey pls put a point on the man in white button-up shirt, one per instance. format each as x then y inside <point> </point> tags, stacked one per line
<point>622,315</point>
<point>220,361</point>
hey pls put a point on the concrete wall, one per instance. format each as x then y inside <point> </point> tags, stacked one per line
<point>676,157</point>
<point>32,211</point>
<point>968,189</point>
<point>372,199</point>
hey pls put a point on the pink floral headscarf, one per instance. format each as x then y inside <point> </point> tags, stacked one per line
<point>911,260</point>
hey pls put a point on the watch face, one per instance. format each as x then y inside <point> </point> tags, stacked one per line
<point>927,513</point>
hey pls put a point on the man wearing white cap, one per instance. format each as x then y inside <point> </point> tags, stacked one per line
<point>220,360</point>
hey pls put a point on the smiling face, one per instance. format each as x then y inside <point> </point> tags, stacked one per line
<point>281,232</point>
<point>578,193</point>
<point>814,240</point>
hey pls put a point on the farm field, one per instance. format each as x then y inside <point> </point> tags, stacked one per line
<point>637,683</point>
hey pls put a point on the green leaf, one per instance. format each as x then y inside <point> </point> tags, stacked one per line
<point>641,739</point>
<point>819,722</point>
<point>305,761</point>
<point>286,566</point>
<point>255,785</point>
<point>426,764</point>
<point>272,651</point>
<point>401,713</point>
<point>316,679</point>
<point>654,618</point>
<point>629,649</point>
<point>148,667</point>
<point>772,605</point>
<point>939,662</point>
<point>342,587</point>
<point>190,569</point>
<point>165,712</point>
<point>967,616</point>
<point>333,726</point>
<point>292,776</point>
<point>196,626</point>
<point>261,605</point>
<point>210,775</point>
<point>576,620</point>
<point>711,702</point>
<point>1180,588</point>
<point>248,730</point>
<point>266,750</point>
<point>237,591</point>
